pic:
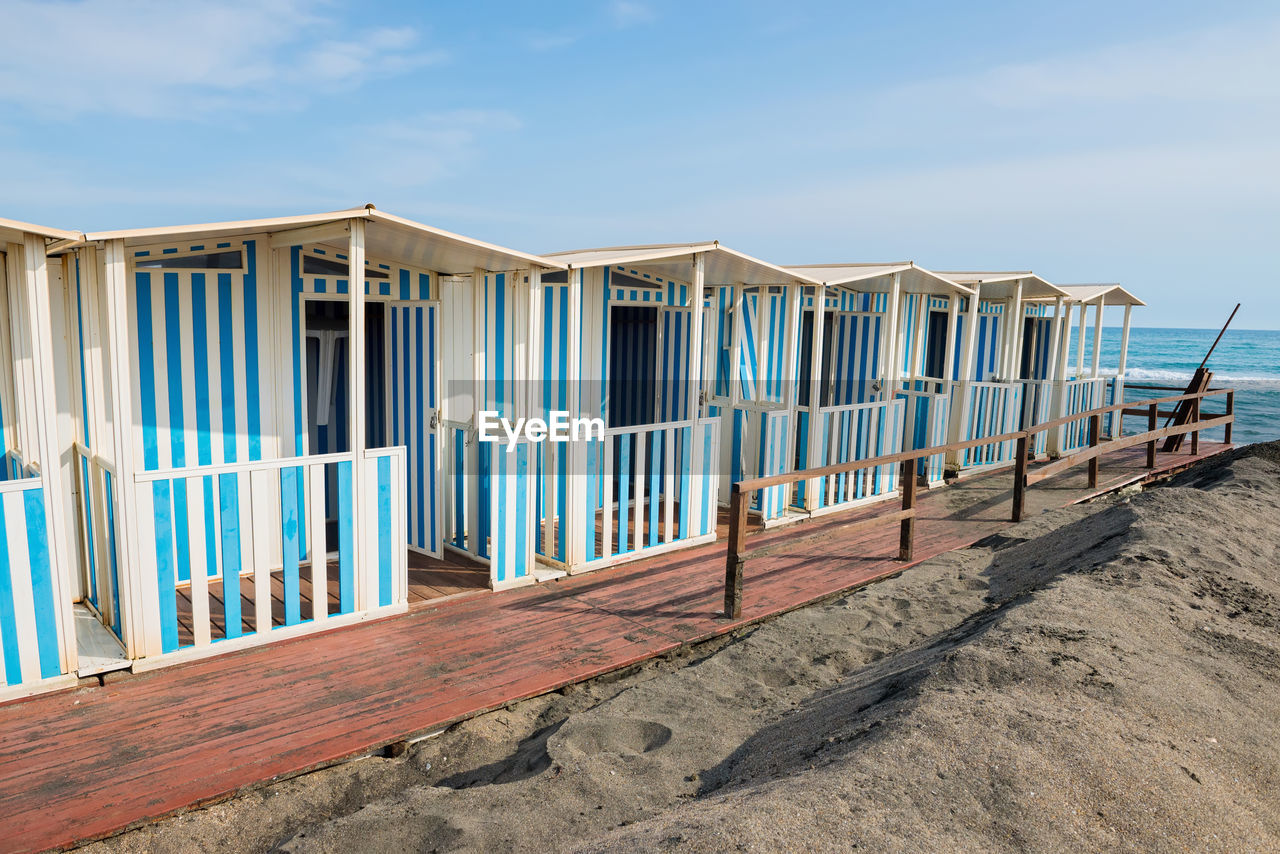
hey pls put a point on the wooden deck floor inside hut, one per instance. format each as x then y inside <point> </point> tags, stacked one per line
<point>430,579</point>
<point>79,764</point>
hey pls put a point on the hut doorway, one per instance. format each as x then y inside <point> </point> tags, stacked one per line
<point>633,365</point>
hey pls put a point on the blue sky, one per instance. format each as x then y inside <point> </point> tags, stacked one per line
<point>1132,142</point>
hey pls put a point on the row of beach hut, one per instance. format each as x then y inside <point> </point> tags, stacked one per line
<point>231,433</point>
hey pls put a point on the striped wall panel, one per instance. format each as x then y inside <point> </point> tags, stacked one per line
<point>28,622</point>
<point>855,341</point>
<point>514,543</point>
<point>858,432</point>
<point>198,398</point>
<point>414,398</point>
<point>987,348</point>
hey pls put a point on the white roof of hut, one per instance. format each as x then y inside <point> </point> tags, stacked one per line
<point>12,231</point>
<point>1002,284</point>
<point>878,278</point>
<point>386,236</point>
<point>674,261</point>
<point>1115,295</point>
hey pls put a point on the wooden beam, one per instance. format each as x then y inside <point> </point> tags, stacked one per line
<point>907,527</point>
<point>734,560</point>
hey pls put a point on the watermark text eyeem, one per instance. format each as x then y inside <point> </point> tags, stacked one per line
<point>559,428</point>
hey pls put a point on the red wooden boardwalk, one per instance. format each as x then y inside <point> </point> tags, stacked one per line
<point>80,764</point>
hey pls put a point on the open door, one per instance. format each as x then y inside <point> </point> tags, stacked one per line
<point>413,414</point>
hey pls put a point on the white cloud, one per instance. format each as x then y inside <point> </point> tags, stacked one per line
<point>147,58</point>
<point>1230,63</point>
<point>628,13</point>
<point>543,42</point>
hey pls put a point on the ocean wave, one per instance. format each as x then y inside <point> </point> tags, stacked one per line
<point>1260,382</point>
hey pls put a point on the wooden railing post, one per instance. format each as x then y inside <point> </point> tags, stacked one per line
<point>906,539</point>
<point>1152,413</point>
<point>1095,436</point>
<point>1195,434</point>
<point>1231,410</point>
<point>1020,478</point>
<point>734,561</point>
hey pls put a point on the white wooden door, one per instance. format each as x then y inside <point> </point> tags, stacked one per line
<point>413,415</point>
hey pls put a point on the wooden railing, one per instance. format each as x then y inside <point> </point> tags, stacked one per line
<point>737,555</point>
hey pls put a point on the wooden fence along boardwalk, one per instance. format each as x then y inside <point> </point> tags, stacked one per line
<point>81,764</point>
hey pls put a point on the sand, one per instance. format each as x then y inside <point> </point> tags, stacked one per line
<point>1104,677</point>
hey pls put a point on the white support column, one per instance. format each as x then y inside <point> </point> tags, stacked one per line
<point>20,343</point>
<point>141,622</point>
<point>40,329</point>
<point>892,359</point>
<point>790,372</point>
<point>816,381</point>
<point>693,392</point>
<point>532,377</point>
<point>1061,376</point>
<point>1124,341</point>
<point>1097,333</point>
<point>919,324</point>
<point>576,526</point>
<point>356,407</point>
<point>949,359</point>
<point>735,354</point>
<point>968,352</point>
<point>478,404</point>
<point>1013,340</point>
<point>1079,366</point>
<point>1055,336</point>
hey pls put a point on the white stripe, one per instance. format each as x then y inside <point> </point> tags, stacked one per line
<point>199,568</point>
<point>241,389</point>
<point>164,444</point>
<point>217,455</point>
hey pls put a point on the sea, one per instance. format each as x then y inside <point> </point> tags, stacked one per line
<point>1245,359</point>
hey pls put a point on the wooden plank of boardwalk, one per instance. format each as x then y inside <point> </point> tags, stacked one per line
<point>77,765</point>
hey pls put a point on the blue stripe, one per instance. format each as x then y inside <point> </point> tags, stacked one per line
<point>384,530</point>
<point>290,530</point>
<point>147,373</point>
<point>253,403</point>
<point>686,457</point>
<point>624,492</point>
<point>229,508</point>
<point>227,373</point>
<point>8,614</point>
<point>419,475</point>
<point>164,565</point>
<point>346,536</point>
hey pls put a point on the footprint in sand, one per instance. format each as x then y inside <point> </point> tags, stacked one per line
<point>618,736</point>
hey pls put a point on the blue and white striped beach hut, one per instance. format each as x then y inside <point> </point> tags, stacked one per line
<point>37,638</point>
<point>688,352</point>
<point>881,359</point>
<point>279,420</point>
<point>1079,384</point>
<point>1002,384</point>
